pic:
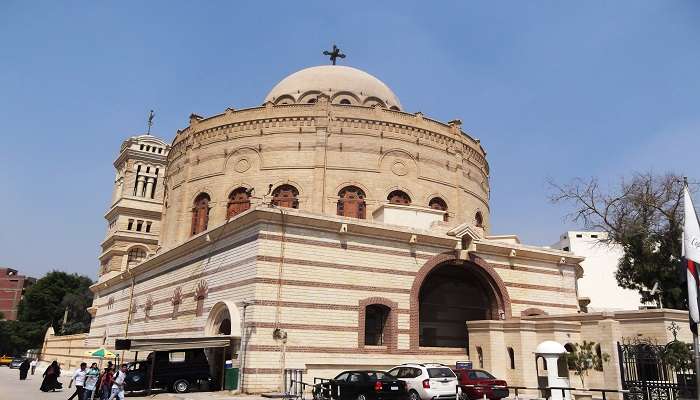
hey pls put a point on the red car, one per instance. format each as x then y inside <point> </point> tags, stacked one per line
<point>493,388</point>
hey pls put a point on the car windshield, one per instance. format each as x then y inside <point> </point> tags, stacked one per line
<point>480,375</point>
<point>377,375</point>
<point>484,375</point>
<point>440,373</point>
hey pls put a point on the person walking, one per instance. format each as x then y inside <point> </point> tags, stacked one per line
<point>51,375</point>
<point>33,365</point>
<point>23,369</point>
<point>118,385</point>
<point>91,381</point>
<point>106,381</point>
<point>79,378</point>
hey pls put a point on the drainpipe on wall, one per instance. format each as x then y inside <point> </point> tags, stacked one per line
<point>131,303</point>
<point>243,345</point>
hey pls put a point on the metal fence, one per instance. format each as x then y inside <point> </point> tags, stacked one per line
<point>646,376</point>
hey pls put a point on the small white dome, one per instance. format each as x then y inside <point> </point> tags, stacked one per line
<point>550,347</point>
<point>344,85</point>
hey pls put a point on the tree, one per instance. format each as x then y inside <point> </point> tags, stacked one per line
<point>18,336</point>
<point>644,216</point>
<point>584,358</point>
<point>47,300</point>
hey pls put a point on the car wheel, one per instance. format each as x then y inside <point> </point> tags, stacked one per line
<point>413,395</point>
<point>181,386</point>
<point>361,397</point>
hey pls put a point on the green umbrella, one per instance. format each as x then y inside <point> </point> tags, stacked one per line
<point>101,353</point>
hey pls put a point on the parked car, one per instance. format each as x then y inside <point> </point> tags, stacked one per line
<point>176,370</point>
<point>16,362</point>
<point>361,385</point>
<point>493,388</point>
<point>6,360</point>
<point>427,381</point>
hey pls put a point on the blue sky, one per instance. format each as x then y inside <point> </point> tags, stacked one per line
<point>553,90</point>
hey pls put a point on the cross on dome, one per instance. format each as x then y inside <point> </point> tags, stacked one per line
<point>334,54</point>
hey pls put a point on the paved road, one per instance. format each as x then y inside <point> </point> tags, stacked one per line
<point>11,388</point>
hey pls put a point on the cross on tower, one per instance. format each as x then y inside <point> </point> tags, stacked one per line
<point>334,54</point>
<point>150,121</point>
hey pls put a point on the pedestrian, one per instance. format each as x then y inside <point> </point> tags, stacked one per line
<point>33,365</point>
<point>23,369</point>
<point>51,375</point>
<point>118,385</point>
<point>91,381</point>
<point>79,378</point>
<point>106,381</point>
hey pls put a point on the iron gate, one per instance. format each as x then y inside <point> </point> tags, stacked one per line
<point>647,377</point>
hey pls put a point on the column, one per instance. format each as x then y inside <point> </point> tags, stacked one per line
<point>139,185</point>
<point>149,187</point>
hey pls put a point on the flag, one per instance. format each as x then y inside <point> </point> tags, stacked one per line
<point>691,257</point>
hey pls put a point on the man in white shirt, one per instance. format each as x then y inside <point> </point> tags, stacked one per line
<point>79,379</point>
<point>118,385</point>
<point>33,365</point>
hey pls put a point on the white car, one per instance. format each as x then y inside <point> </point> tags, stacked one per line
<point>427,381</point>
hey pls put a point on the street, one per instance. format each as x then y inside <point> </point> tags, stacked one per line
<point>12,388</point>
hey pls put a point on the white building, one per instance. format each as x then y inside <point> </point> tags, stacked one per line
<point>598,283</point>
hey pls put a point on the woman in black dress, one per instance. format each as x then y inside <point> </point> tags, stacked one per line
<point>23,369</point>
<point>51,375</point>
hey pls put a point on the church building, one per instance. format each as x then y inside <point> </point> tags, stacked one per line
<point>328,228</point>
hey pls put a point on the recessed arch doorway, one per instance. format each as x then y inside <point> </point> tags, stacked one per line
<point>447,293</point>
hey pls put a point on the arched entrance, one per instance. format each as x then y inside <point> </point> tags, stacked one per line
<point>448,292</point>
<point>223,320</point>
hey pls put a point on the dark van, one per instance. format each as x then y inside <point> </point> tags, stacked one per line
<point>176,370</point>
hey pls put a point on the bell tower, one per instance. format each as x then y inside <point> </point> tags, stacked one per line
<point>134,215</point>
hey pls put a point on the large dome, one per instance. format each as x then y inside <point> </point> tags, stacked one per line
<point>344,85</point>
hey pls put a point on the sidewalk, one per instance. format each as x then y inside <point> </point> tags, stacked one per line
<point>204,395</point>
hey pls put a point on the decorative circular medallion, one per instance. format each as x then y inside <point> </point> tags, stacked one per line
<point>242,165</point>
<point>399,168</point>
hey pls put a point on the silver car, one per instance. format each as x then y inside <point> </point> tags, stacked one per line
<point>427,381</point>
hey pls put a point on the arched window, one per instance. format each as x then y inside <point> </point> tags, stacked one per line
<point>480,356</point>
<point>225,327</point>
<point>351,202</point>
<point>200,213</point>
<point>345,101</point>
<point>312,100</point>
<point>511,355</point>
<point>285,196</point>
<point>376,316</point>
<point>238,201</point>
<point>135,256</point>
<point>437,203</point>
<point>399,197</point>
<point>479,219</point>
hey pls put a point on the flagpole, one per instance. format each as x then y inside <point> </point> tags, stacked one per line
<point>696,342</point>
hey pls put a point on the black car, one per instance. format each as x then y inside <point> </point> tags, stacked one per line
<point>361,385</point>
<point>176,370</point>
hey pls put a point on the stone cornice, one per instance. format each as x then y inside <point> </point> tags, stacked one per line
<point>519,251</point>
<point>117,209</point>
<point>300,116</point>
<point>131,238</point>
<point>131,154</point>
<point>264,215</point>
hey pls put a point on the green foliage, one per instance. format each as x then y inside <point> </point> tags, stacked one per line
<point>16,337</point>
<point>584,358</point>
<point>678,355</point>
<point>644,216</point>
<point>48,298</point>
